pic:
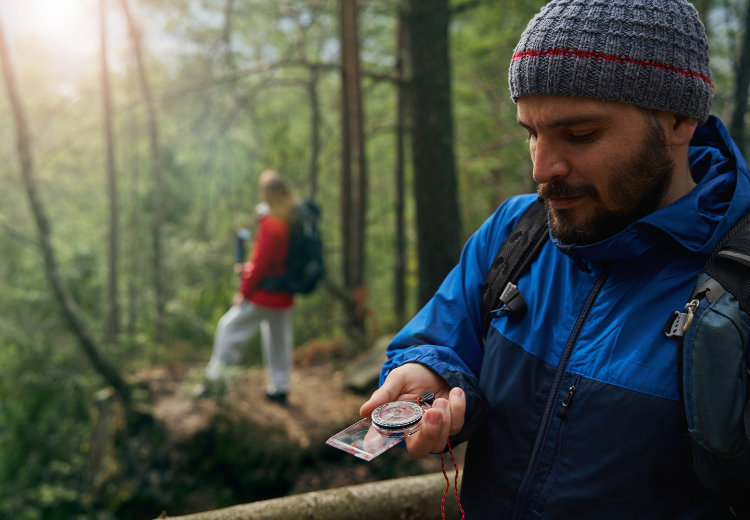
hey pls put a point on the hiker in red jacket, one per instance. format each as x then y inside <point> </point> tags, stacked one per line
<point>253,306</point>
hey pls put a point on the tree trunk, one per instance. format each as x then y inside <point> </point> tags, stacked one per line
<point>113,326</point>
<point>357,136</point>
<point>346,170</point>
<point>227,37</point>
<point>498,196</point>
<point>312,89</point>
<point>742,71</point>
<point>134,247</point>
<point>399,274</point>
<point>703,7</point>
<point>72,312</point>
<point>159,199</point>
<point>435,186</point>
<point>354,194</point>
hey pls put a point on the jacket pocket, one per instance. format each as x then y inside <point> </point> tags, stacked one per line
<point>715,377</point>
<point>563,414</point>
<point>714,386</point>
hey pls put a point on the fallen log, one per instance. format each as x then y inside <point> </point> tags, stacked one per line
<point>410,498</point>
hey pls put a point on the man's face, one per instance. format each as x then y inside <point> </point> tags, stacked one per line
<point>600,165</point>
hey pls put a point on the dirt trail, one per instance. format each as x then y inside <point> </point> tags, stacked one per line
<point>316,406</point>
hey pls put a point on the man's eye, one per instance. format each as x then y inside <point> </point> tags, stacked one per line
<point>530,137</point>
<point>582,138</point>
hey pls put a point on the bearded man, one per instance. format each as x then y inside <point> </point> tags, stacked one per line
<point>572,410</point>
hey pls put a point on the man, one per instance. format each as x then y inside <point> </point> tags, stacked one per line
<point>572,410</point>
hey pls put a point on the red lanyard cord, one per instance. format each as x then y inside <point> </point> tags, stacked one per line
<point>448,484</point>
<point>431,396</point>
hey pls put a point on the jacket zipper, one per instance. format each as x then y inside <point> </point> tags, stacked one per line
<point>549,481</point>
<point>546,418</point>
<point>571,392</point>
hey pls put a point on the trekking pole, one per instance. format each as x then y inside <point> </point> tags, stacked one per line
<point>240,256</point>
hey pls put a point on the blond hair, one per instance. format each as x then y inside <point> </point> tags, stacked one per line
<point>275,192</point>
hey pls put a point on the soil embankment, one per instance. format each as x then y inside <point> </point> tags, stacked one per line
<point>236,446</point>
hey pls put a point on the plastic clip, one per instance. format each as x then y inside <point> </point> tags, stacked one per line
<point>512,302</point>
<point>675,325</point>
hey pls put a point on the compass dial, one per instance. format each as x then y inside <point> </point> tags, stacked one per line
<point>397,415</point>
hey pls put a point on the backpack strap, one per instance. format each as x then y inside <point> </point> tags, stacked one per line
<point>730,262</point>
<point>500,293</point>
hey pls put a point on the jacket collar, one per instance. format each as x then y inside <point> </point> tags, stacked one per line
<point>698,220</point>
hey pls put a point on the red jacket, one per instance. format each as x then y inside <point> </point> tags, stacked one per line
<point>268,258</point>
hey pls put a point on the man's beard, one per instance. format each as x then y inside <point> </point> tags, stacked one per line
<point>636,189</point>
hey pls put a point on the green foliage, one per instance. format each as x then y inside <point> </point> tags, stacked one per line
<point>44,429</point>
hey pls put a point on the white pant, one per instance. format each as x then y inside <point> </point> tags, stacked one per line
<point>236,328</point>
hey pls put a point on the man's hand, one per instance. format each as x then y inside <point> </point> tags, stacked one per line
<point>407,383</point>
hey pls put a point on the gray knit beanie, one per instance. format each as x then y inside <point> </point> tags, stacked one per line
<point>649,53</point>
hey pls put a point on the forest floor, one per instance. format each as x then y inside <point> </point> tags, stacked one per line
<point>317,408</point>
<point>316,404</point>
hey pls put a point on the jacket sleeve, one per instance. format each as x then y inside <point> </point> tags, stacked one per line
<point>259,265</point>
<point>446,335</point>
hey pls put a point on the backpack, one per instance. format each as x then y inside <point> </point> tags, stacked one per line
<point>712,337</point>
<point>713,334</point>
<point>304,262</point>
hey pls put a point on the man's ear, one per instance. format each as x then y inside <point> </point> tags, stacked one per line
<point>679,129</point>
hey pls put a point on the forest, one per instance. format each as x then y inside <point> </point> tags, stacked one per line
<point>126,180</point>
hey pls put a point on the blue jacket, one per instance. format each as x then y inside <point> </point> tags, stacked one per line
<point>618,453</point>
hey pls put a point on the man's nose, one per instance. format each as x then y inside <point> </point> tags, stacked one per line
<point>549,164</point>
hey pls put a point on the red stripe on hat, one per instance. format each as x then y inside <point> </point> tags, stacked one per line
<point>600,56</point>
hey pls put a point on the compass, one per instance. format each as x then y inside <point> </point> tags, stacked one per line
<point>397,415</point>
<point>388,425</point>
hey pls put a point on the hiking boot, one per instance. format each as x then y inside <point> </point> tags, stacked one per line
<point>279,398</point>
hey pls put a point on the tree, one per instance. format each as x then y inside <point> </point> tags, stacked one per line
<point>134,235</point>
<point>704,6</point>
<point>435,185</point>
<point>399,274</point>
<point>312,90</point>
<point>113,327</point>
<point>76,321</point>
<point>158,202</point>
<point>353,188</point>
